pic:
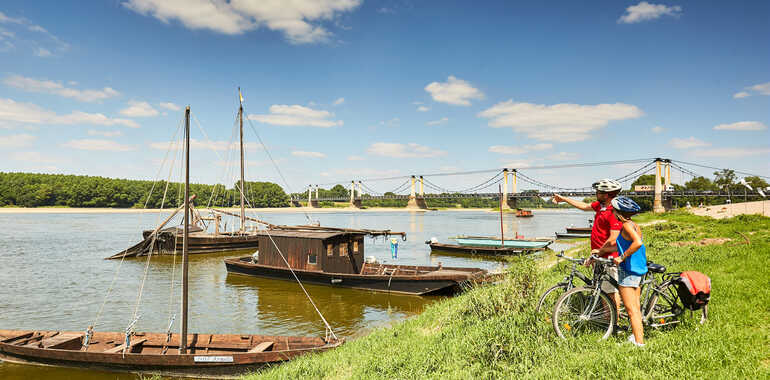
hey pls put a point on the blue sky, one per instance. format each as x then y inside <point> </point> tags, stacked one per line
<point>349,89</point>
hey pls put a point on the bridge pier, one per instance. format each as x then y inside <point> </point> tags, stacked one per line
<point>510,203</point>
<point>417,203</point>
<point>657,203</point>
<point>355,202</point>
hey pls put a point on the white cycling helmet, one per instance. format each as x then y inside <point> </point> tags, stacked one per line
<point>606,185</point>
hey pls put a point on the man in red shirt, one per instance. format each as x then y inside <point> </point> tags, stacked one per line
<point>606,226</point>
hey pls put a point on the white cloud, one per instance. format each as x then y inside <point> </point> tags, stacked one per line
<point>139,109</point>
<point>423,109</point>
<point>298,20</point>
<point>741,95</point>
<point>22,28</point>
<point>296,115</point>
<point>34,157</point>
<point>731,152</point>
<point>17,141</point>
<point>564,156</point>
<point>301,153</point>
<point>443,120</point>
<point>43,52</point>
<point>762,88</point>
<point>564,122</point>
<point>93,132</point>
<point>454,91</point>
<point>28,113</point>
<point>394,122</point>
<point>338,101</point>
<point>688,143</point>
<point>93,144</point>
<point>56,88</point>
<point>645,11</point>
<point>502,149</point>
<point>741,126</point>
<point>520,164</point>
<point>410,150</point>
<point>205,145</point>
<point>658,129</point>
<point>169,106</point>
<point>355,158</point>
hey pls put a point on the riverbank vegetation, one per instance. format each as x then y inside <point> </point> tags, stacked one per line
<point>492,331</point>
<point>52,190</point>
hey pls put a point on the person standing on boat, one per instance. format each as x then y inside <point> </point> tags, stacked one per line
<point>606,227</point>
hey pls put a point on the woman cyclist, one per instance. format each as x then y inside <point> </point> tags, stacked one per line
<point>632,264</point>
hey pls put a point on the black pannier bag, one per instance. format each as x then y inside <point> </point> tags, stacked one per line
<point>694,289</point>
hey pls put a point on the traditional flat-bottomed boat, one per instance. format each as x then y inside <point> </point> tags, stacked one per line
<point>498,250</point>
<point>562,235</point>
<point>491,241</point>
<point>336,258</point>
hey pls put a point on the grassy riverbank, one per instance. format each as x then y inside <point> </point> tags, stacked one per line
<point>492,331</point>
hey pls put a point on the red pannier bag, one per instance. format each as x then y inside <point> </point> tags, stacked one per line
<point>694,289</point>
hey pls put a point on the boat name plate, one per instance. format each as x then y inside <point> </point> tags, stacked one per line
<point>213,359</point>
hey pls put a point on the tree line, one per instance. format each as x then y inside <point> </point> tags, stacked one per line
<point>46,190</point>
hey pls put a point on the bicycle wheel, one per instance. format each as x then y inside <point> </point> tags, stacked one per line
<point>548,299</point>
<point>572,317</point>
<point>664,307</point>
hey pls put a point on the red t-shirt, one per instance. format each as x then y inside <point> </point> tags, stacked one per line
<point>604,222</point>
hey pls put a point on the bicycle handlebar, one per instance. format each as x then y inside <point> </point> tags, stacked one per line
<point>574,260</point>
<point>602,260</point>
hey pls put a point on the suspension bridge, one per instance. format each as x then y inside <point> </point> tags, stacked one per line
<point>511,179</point>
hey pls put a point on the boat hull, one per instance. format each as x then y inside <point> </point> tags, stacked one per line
<point>578,230</point>
<point>560,235</point>
<point>444,280</point>
<point>508,243</point>
<point>219,355</point>
<point>480,250</point>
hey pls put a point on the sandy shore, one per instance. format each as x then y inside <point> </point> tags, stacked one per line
<point>733,209</point>
<point>277,210</point>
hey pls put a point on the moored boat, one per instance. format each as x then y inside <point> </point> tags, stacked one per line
<point>491,241</point>
<point>336,258</point>
<point>562,235</point>
<point>478,250</point>
<point>521,213</point>
<point>579,230</point>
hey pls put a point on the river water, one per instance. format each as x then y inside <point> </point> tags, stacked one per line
<point>54,277</point>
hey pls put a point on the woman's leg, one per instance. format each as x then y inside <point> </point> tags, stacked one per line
<point>630,296</point>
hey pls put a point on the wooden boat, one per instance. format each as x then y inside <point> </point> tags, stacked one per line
<point>169,240</point>
<point>208,355</point>
<point>521,213</point>
<point>183,354</point>
<point>336,258</point>
<point>491,241</point>
<point>579,230</point>
<point>479,250</point>
<point>562,235</point>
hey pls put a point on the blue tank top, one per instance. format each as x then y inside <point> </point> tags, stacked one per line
<point>637,263</point>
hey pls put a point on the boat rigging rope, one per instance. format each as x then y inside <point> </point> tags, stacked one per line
<point>267,151</point>
<point>152,246</point>
<point>95,323</point>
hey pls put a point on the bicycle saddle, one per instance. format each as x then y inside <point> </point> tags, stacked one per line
<point>656,268</point>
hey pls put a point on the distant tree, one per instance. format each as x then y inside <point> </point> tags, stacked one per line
<point>339,191</point>
<point>725,178</point>
<point>700,184</point>
<point>756,182</point>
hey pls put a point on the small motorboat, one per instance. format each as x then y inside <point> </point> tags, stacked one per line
<point>521,213</point>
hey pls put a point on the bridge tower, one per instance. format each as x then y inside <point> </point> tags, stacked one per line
<point>355,202</point>
<point>657,203</point>
<point>504,203</point>
<point>312,202</point>
<point>415,202</point>
<point>512,202</point>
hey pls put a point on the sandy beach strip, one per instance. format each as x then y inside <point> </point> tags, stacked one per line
<point>273,210</point>
<point>733,209</point>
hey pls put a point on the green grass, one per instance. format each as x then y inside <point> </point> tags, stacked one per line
<point>492,332</point>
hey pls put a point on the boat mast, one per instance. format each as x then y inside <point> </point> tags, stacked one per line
<point>240,119</point>
<point>183,341</point>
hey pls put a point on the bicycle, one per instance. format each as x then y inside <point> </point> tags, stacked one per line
<point>548,299</point>
<point>589,309</point>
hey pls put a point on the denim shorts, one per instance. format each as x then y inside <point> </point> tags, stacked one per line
<point>627,279</point>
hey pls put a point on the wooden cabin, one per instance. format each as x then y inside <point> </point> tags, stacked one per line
<point>322,251</point>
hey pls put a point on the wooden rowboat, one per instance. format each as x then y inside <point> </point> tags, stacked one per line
<point>208,355</point>
<point>479,250</point>
<point>561,235</point>
<point>491,241</point>
<point>578,230</point>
